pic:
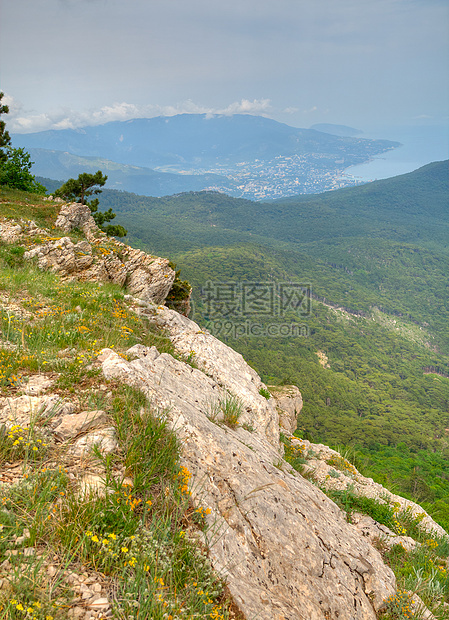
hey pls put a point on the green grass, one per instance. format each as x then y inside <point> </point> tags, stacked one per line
<point>227,409</point>
<point>139,534</point>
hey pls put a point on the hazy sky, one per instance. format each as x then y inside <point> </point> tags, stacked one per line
<point>67,63</point>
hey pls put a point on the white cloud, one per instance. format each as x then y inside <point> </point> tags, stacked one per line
<point>20,121</point>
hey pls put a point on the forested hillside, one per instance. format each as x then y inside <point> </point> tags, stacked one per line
<point>373,358</point>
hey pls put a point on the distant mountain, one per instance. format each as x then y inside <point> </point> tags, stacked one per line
<point>196,140</point>
<point>62,165</point>
<point>337,130</point>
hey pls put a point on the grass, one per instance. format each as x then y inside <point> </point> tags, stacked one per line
<point>227,409</point>
<point>265,393</point>
<point>138,530</point>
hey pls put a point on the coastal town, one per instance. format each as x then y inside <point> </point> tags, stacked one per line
<point>285,176</point>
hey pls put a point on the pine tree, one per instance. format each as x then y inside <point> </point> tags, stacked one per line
<point>87,185</point>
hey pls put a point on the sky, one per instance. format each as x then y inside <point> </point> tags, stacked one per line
<point>362,63</point>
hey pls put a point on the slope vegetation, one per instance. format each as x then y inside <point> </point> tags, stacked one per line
<point>376,258</point>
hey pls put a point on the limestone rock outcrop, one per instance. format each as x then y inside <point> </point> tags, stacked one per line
<point>100,258</point>
<point>289,404</point>
<point>285,549</point>
<point>75,215</point>
<point>332,471</point>
<point>62,256</point>
<point>226,367</point>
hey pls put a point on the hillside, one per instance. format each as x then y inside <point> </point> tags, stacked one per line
<point>357,246</point>
<point>143,462</point>
<point>376,258</point>
<point>63,165</point>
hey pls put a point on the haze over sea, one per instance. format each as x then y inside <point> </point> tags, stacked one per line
<point>421,145</point>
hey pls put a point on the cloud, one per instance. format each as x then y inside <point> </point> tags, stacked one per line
<point>20,121</point>
<point>290,110</point>
<point>257,106</point>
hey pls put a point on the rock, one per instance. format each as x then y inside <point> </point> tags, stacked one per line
<point>376,532</point>
<point>75,215</point>
<point>419,609</point>
<point>332,471</point>
<point>76,612</point>
<point>104,439</point>
<point>72,425</point>
<point>22,409</point>
<point>38,384</point>
<point>91,484</point>
<point>62,256</point>
<point>9,232</point>
<point>226,367</point>
<point>148,277</point>
<point>100,603</point>
<point>283,546</point>
<point>289,404</point>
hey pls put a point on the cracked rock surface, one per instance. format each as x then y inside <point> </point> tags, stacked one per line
<point>285,549</point>
<point>100,258</point>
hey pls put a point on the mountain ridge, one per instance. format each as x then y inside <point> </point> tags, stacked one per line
<point>258,156</point>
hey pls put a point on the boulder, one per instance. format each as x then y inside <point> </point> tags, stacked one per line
<point>72,425</point>
<point>23,410</point>
<point>10,232</point>
<point>62,256</point>
<point>75,215</point>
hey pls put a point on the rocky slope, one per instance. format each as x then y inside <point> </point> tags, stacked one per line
<point>284,548</point>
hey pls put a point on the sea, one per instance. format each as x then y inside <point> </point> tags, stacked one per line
<point>421,145</point>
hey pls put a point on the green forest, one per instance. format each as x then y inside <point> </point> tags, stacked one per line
<point>372,361</point>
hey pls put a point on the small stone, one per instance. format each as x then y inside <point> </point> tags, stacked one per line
<point>96,587</point>
<point>75,613</point>
<point>51,570</point>
<point>99,603</point>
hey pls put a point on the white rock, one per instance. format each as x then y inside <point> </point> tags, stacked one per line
<point>72,425</point>
<point>273,534</point>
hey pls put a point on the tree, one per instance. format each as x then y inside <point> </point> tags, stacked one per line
<point>88,185</point>
<point>15,164</point>
<point>15,171</point>
<point>81,188</point>
<point>5,139</point>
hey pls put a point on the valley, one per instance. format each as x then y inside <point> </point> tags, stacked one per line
<point>376,258</point>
